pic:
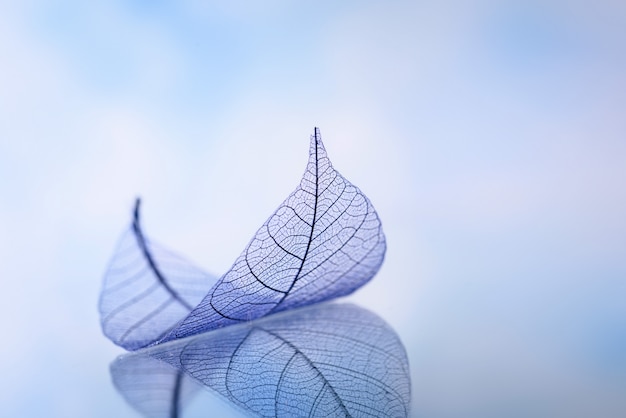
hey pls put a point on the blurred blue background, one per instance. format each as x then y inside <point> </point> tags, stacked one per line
<point>489,136</point>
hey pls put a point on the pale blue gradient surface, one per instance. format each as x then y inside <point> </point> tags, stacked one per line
<point>488,135</point>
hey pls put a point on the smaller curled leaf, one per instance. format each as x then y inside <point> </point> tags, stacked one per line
<point>147,290</point>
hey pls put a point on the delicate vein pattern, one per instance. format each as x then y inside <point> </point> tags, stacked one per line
<point>327,360</point>
<point>323,242</point>
<point>153,388</point>
<point>147,290</point>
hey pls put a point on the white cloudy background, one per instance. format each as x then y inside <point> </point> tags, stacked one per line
<point>490,136</point>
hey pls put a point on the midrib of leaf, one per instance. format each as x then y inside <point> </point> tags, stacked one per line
<point>308,246</point>
<point>141,241</point>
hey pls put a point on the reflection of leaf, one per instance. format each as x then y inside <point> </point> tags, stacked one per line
<point>147,290</point>
<point>153,388</point>
<point>324,241</point>
<point>326,360</point>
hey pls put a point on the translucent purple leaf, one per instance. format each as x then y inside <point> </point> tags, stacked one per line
<point>323,242</point>
<point>147,290</point>
<point>326,360</point>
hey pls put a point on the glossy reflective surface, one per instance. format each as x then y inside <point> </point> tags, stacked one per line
<point>490,137</point>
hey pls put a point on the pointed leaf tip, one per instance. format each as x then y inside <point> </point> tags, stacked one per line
<point>316,138</point>
<point>136,213</point>
<point>317,151</point>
